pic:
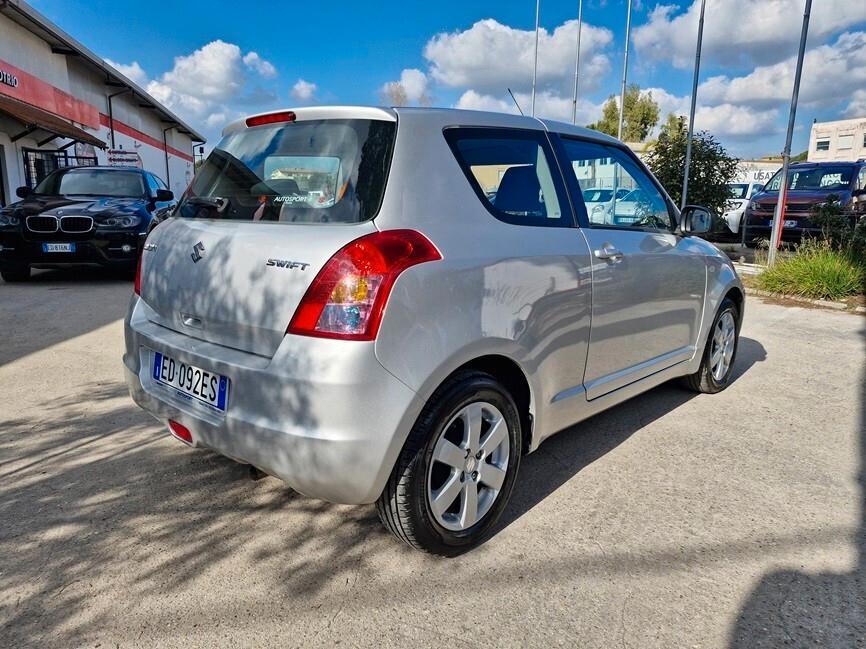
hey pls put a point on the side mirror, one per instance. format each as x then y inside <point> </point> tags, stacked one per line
<point>695,219</point>
<point>164,195</point>
<point>23,192</point>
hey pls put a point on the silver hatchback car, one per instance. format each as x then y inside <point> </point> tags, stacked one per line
<point>394,305</point>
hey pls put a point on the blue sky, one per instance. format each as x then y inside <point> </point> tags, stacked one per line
<point>214,61</point>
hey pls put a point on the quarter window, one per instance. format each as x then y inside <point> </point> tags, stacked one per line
<point>512,173</point>
<point>616,192</point>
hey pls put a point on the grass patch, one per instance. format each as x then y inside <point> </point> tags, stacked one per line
<point>817,271</point>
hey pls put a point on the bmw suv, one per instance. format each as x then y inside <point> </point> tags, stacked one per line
<point>393,306</point>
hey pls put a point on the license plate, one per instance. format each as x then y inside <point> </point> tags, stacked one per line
<point>191,382</point>
<point>58,247</point>
<point>791,223</point>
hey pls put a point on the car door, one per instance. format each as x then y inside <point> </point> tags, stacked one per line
<point>648,283</point>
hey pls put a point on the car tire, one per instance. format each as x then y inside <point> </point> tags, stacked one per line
<point>19,273</point>
<point>420,476</point>
<point>710,377</point>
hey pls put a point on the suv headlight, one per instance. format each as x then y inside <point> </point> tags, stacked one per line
<point>8,221</point>
<point>119,222</point>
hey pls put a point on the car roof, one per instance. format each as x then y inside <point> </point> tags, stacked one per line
<point>104,168</point>
<point>444,116</point>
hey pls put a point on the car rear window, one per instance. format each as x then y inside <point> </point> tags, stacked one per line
<point>315,171</point>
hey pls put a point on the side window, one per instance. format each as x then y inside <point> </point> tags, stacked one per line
<point>616,192</point>
<point>151,184</point>
<point>513,173</point>
<point>159,182</point>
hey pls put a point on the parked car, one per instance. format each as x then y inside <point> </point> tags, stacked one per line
<point>453,308</point>
<point>735,210</point>
<point>598,199</point>
<point>809,185</point>
<point>81,215</point>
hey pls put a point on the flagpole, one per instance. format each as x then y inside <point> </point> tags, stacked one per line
<point>535,64</point>
<point>779,214</point>
<point>694,104</point>
<point>624,72</point>
<point>577,61</point>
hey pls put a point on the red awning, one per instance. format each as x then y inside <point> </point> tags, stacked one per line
<point>35,119</point>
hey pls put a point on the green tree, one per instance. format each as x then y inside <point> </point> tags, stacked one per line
<point>640,116</point>
<point>710,171</point>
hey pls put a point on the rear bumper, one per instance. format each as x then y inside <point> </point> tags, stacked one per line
<point>323,415</point>
<point>115,249</point>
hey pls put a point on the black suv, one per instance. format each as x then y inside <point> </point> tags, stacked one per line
<point>809,185</point>
<point>81,215</point>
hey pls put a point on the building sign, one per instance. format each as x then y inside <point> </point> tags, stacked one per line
<point>121,158</point>
<point>8,78</point>
<point>23,86</point>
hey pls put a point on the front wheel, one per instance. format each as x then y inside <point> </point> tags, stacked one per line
<point>17,273</point>
<point>457,469</point>
<point>717,363</point>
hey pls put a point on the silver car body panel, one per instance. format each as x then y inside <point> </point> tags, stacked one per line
<point>331,416</point>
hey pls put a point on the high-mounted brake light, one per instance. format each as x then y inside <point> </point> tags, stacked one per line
<point>348,296</point>
<point>271,118</point>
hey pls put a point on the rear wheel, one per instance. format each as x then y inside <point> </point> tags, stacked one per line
<point>17,273</point>
<point>457,469</point>
<point>720,352</point>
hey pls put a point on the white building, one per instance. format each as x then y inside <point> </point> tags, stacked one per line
<point>62,105</point>
<point>841,141</point>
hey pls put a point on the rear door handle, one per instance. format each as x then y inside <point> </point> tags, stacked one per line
<point>607,251</point>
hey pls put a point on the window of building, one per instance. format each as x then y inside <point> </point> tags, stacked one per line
<point>846,141</point>
<point>822,144</point>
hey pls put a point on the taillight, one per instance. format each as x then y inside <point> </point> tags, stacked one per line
<point>137,286</point>
<point>271,118</point>
<point>348,296</point>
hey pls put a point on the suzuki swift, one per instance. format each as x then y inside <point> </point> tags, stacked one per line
<point>392,306</point>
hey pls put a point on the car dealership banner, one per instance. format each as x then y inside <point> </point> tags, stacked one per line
<point>121,158</point>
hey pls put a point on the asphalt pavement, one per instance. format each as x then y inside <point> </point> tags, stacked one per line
<point>733,520</point>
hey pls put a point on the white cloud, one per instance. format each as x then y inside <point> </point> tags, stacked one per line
<point>857,106</point>
<point>216,120</point>
<point>829,74</point>
<point>414,83</point>
<point>304,90</point>
<point>212,72</point>
<point>721,120</point>
<point>548,105</point>
<point>133,71</point>
<point>741,31</point>
<point>265,68</point>
<point>490,56</point>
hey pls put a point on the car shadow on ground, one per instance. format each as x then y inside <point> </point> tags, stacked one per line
<point>566,454</point>
<point>63,304</point>
<point>791,608</point>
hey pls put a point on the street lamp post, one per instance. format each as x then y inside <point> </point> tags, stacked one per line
<point>694,103</point>
<point>624,72</point>
<point>535,63</point>
<point>577,61</point>
<point>779,214</point>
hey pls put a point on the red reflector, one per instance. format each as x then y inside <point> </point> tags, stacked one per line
<point>137,286</point>
<point>180,431</point>
<point>271,118</point>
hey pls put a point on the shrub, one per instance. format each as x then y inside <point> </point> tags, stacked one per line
<point>817,270</point>
<point>858,241</point>
<point>834,223</point>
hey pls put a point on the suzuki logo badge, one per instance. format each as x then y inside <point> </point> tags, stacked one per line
<point>197,252</point>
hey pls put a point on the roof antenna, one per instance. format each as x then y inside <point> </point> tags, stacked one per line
<point>515,100</point>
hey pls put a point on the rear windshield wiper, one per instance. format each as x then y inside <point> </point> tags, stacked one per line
<point>214,202</point>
